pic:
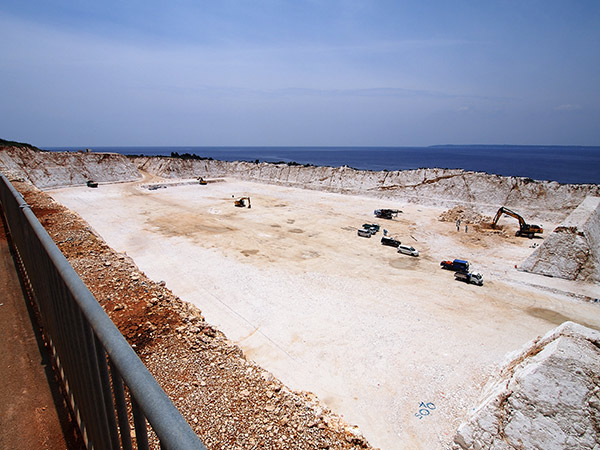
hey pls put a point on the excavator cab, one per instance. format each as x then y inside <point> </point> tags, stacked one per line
<point>242,201</point>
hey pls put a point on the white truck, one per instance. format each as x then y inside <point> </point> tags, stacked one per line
<point>472,278</point>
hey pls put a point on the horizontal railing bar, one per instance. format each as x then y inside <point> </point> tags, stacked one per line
<point>171,428</point>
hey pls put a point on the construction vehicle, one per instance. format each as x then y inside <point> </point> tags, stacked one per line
<point>386,213</point>
<point>242,201</point>
<point>472,278</point>
<point>458,265</point>
<point>525,229</point>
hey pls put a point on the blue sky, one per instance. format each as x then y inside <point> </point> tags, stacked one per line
<point>304,72</point>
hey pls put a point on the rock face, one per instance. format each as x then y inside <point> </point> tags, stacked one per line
<point>572,251</point>
<point>483,193</point>
<point>56,169</point>
<point>543,200</point>
<point>546,397</point>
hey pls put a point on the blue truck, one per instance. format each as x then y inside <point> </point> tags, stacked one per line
<point>458,265</point>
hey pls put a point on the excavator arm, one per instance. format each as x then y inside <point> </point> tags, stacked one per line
<point>525,229</point>
<point>511,213</point>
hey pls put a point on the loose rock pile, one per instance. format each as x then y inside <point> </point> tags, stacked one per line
<point>466,214</point>
<point>229,401</point>
<point>546,397</point>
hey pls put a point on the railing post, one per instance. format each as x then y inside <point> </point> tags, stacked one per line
<point>83,337</point>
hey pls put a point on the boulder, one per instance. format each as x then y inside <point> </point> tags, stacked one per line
<point>547,396</point>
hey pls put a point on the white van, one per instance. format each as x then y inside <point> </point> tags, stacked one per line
<point>407,250</point>
<point>363,232</point>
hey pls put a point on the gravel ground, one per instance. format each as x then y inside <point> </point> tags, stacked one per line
<point>374,334</point>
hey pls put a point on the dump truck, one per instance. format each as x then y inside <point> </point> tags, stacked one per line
<point>458,265</point>
<point>525,229</point>
<point>386,213</point>
<point>471,278</point>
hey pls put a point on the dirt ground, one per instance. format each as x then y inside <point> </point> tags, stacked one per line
<point>389,342</point>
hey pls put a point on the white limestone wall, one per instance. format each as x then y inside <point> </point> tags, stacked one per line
<point>547,396</point>
<point>572,250</point>
<point>541,200</point>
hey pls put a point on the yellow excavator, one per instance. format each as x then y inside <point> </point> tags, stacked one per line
<point>525,229</point>
<point>242,201</point>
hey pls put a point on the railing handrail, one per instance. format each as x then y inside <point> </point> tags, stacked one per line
<point>168,423</point>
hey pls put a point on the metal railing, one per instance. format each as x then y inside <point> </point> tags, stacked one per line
<point>92,357</point>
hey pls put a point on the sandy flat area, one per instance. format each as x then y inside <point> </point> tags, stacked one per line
<point>371,332</point>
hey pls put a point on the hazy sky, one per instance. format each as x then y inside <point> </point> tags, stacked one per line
<point>300,72</point>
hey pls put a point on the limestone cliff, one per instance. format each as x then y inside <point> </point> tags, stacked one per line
<point>572,250</point>
<point>485,193</point>
<point>542,200</point>
<point>56,169</point>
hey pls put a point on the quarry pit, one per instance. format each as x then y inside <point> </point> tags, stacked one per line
<point>297,332</point>
<point>372,333</point>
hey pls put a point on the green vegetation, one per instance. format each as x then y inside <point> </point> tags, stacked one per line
<point>5,143</point>
<point>192,156</point>
<point>188,156</point>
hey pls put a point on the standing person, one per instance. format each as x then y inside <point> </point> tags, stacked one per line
<point>466,228</point>
<point>457,224</point>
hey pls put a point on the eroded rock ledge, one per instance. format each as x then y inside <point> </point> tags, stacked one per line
<point>546,396</point>
<point>542,200</point>
<point>437,187</point>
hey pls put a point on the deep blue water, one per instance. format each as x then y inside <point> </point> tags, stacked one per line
<point>557,163</point>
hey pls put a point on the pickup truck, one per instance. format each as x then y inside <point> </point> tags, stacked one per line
<point>458,265</point>
<point>472,278</point>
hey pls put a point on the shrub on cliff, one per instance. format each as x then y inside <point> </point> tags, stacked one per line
<point>5,143</point>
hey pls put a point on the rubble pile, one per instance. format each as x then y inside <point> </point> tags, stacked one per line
<point>572,250</point>
<point>546,396</point>
<point>230,402</point>
<point>466,214</point>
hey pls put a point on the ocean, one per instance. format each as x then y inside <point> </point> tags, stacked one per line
<point>564,164</point>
